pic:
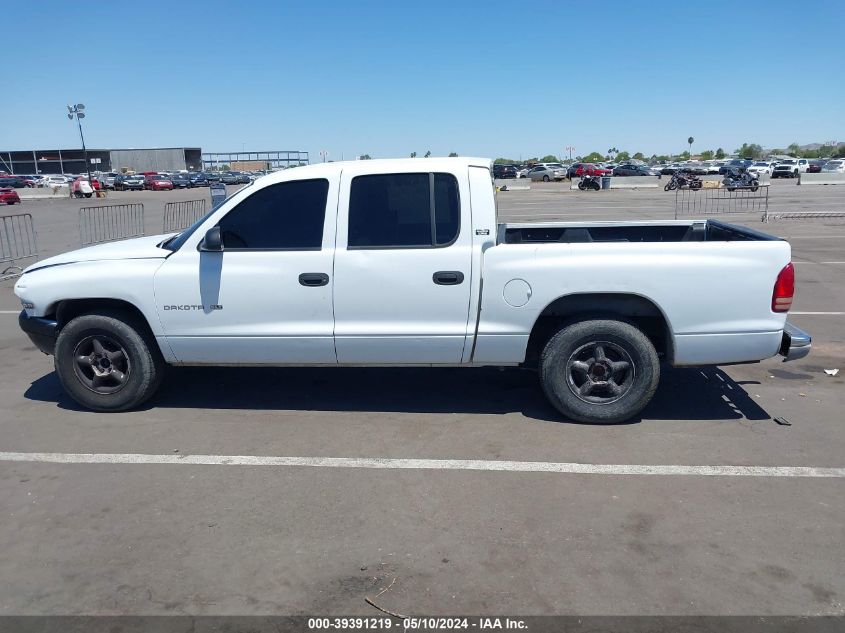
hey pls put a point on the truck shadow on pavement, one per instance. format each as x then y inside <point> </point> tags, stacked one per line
<point>683,394</point>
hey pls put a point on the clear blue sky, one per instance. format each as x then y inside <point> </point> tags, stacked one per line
<point>388,78</point>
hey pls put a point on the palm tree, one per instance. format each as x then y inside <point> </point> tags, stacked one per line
<point>690,140</point>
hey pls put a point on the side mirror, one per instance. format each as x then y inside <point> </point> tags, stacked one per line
<point>213,240</point>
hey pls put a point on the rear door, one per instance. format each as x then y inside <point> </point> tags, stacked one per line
<point>402,267</point>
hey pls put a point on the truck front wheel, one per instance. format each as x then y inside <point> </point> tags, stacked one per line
<point>107,361</point>
<point>599,371</point>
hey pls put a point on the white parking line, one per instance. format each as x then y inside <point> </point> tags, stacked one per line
<point>380,463</point>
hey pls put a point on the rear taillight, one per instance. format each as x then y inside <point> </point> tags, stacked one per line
<point>784,289</point>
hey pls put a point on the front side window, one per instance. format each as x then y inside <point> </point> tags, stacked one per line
<point>287,215</point>
<point>403,211</point>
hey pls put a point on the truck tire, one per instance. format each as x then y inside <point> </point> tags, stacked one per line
<point>107,361</point>
<point>599,371</point>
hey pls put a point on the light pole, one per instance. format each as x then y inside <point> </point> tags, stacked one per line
<point>570,149</point>
<point>78,111</point>
<point>324,153</point>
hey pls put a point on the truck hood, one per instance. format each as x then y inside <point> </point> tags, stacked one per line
<point>138,248</point>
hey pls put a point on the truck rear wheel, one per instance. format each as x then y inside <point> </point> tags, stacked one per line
<point>599,371</point>
<point>107,361</point>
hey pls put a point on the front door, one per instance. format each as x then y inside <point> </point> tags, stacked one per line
<point>267,297</point>
<point>402,268</point>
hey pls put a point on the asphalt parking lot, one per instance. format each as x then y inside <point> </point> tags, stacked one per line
<point>435,510</point>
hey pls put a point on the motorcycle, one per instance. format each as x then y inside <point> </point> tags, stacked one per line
<point>589,182</point>
<point>735,179</point>
<point>681,179</point>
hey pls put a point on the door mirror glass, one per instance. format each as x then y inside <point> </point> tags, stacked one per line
<point>213,240</point>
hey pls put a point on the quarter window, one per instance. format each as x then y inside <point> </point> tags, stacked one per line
<point>287,215</point>
<point>403,211</point>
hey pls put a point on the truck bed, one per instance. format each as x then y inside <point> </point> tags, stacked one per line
<point>584,232</point>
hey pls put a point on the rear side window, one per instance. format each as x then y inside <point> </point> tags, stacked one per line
<point>287,215</point>
<point>404,211</point>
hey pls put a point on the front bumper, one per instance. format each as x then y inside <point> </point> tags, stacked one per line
<point>796,343</point>
<point>42,332</point>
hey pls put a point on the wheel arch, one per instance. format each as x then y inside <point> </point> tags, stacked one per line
<point>641,311</point>
<point>66,309</point>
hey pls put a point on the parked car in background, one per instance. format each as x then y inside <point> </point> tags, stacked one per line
<point>157,182</point>
<point>504,171</point>
<point>546,173</point>
<point>629,169</point>
<point>816,166</point>
<point>198,180</point>
<point>590,169</point>
<point>15,182</point>
<point>760,168</point>
<point>9,196</point>
<point>668,170</point>
<point>834,167</point>
<point>107,179</point>
<point>229,178</point>
<point>131,182</point>
<point>211,176</point>
<point>180,181</point>
<point>740,164</point>
<point>790,168</point>
<point>522,172</point>
<point>52,181</point>
<point>696,168</point>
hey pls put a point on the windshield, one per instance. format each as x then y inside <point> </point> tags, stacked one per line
<point>787,162</point>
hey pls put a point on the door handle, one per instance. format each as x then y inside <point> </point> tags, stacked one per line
<point>448,277</point>
<point>313,279</point>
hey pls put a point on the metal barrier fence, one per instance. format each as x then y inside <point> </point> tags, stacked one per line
<point>713,201</point>
<point>803,215</point>
<point>111,222</point>
<point>17,242</point>
<point>181,215</point>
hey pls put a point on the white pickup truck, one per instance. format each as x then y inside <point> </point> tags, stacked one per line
<point>401,262</point>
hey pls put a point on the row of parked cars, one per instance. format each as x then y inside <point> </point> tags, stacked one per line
<point>172,180</point>
<point>784,168</point>
<point>557,171</point>
<point>126,182</point>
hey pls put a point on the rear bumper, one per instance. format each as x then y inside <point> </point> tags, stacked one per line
<point>42,332</point>
<point>796,343</point>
